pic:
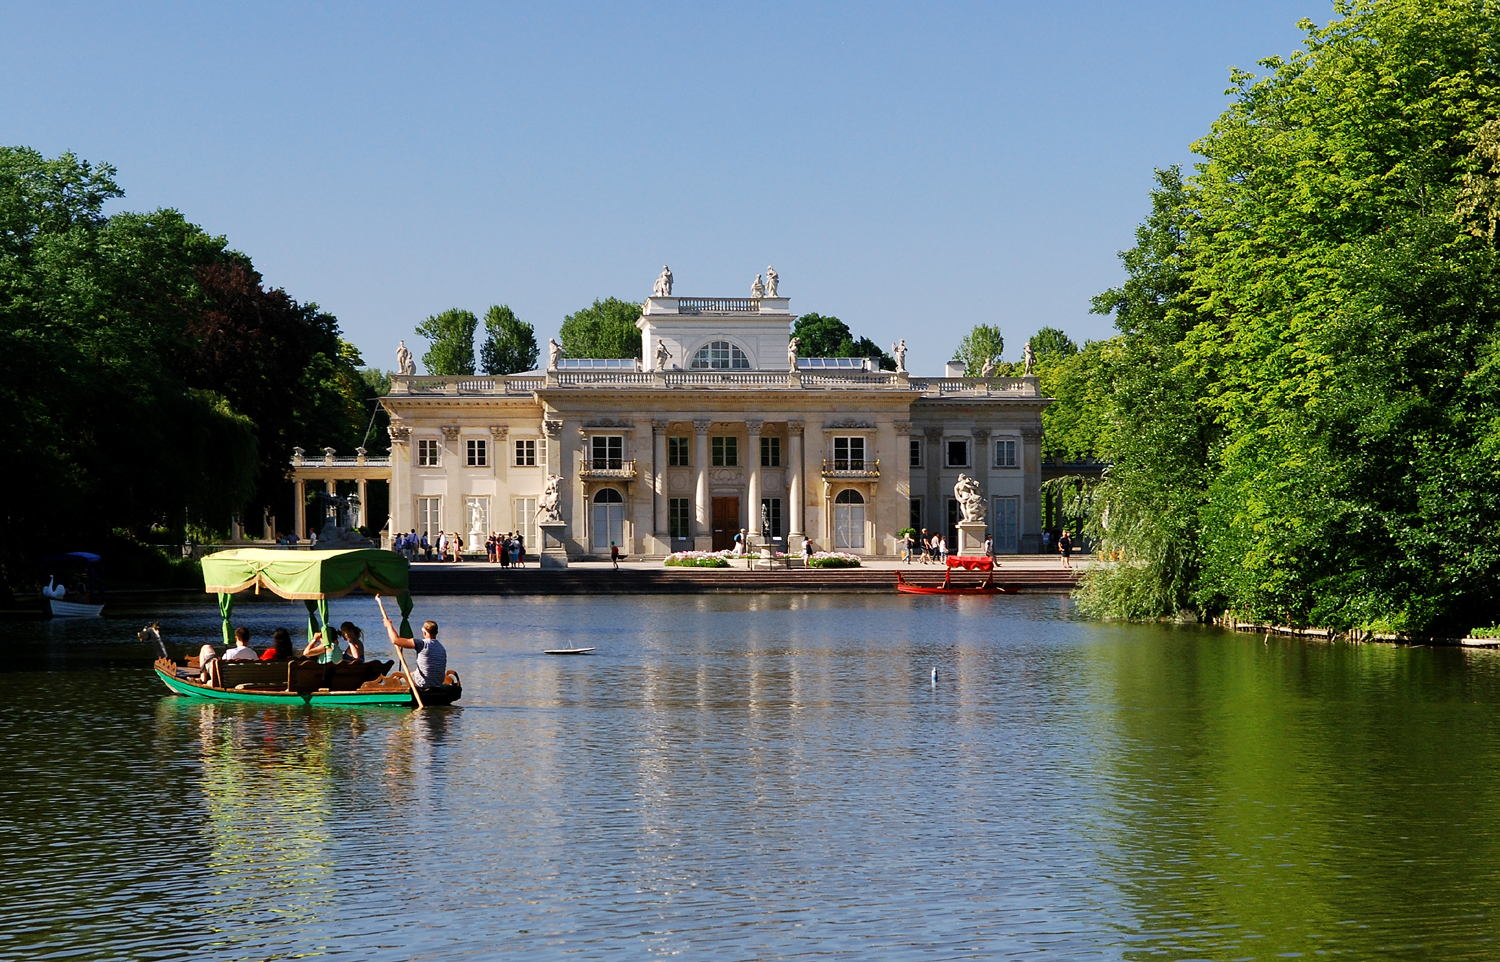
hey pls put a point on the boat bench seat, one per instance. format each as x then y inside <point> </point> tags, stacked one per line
<point>258,673</point>
<point>309,675</point>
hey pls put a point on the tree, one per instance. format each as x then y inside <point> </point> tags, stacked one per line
<point>1049,343</point>
<point>821,336</point>
<point>451,335</point>
<point>982,343</point>
<point>604,329</point>
<point>509,343</point>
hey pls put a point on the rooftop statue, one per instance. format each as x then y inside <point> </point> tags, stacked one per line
<point>898,350</point>
<point>554,353</point>
<point>757,289</point>
<point>791,352</point>
<point>970,498</point>
<point>1029,356</point>
<point>662,355</point>
<point>404,363</point>
<point>663,286</point>
<point>989,368</point>
<point>772,280</point>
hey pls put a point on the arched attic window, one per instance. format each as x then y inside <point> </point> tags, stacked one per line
<point>720,356</point>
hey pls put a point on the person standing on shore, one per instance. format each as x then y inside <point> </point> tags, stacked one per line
<point>1065,549</point>
<point>614,555</point>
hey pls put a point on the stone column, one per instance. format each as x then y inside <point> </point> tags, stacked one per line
<point>752,510</point>
<point>794,484</point>
<point>659,482</point>
<point>364,511</point>
<point>935,510</point>
<point>299,508</point>
<point>982,457</point>
<point>1030,522</point>
<point>702,521</point>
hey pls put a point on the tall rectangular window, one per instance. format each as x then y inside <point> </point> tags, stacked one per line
<point>608,452</point>
<point>428,453</point>
<point>680,518</point>
<point>525,520</point>
<point>726,452</point>
<point>677,452</point>
<point>771,514</point>
<point>1005,453</point>
<point>770,452</point>
<point>916,453</point>
<point>958,452</point>
<point>914,516</point>
<point>849,454</point>
<point>429,516</point>
<point>526,453</point>
<point>478,452</point>
<point>1005,525</point>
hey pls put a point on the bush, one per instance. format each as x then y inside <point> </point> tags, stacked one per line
<point>698,559</point>
<point>832,559</point>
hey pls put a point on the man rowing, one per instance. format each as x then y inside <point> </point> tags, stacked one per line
<point>432,658</point>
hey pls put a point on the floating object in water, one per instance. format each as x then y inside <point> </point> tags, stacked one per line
<point>570,650</point>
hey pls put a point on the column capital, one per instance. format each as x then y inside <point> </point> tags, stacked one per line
<point>499,432</point>
<point>658,426</point>
<point>450,431</point>
<point>1031,435</point>
<point>552,428</point>
<point>753,427</point>
<point>701,425</point>
<point>933,433</point>
<point>795,428</point>
<point>981,433</point>
<point>399,433</point>
<point>903,428</point>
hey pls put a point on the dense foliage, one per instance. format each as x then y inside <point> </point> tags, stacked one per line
<point>983,344</point>
<point>603,329</point>
<point>827,336</point>
<point>152,380</point>
<point>509,343</point>
<point>451,335</point>
<point>1303,405</point>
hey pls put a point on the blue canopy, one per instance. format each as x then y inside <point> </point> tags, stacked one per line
<point>73,556</point>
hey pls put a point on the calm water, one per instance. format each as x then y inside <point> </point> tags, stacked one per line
<point>754,778</point>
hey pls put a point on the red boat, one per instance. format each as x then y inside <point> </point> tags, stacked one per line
<point>981,563</point>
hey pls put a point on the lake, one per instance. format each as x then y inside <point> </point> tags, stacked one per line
<point>754,778</point>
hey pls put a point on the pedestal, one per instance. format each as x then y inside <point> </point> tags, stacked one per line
<point>971,538</point>
<point>553,553</point>
<point>476,542</point>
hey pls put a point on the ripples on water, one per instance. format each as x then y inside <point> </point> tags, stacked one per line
<point>749,778</point>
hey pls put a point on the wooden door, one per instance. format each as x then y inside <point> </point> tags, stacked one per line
<point>726,522</point>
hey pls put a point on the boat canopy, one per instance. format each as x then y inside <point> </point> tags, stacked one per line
<point>311,577</point>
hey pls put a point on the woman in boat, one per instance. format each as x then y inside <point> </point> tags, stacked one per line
<point>327,654</point>
<point>354,641</point>
<point>281,647</point>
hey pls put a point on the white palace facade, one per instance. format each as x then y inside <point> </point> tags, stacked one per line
<point>720,428</point>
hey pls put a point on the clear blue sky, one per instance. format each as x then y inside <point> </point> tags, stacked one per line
<point>912,169</point>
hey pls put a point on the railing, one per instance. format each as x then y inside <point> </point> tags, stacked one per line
<point>724,379</point>
<point>625,472</point>
<point>718,305</point>
<point>579,378</point>
<point>851,379</point>
<point>823,380</point>
<point>524,385</point>
<point>341,463</point>
<point>853,469</point>
<point>976,385</point>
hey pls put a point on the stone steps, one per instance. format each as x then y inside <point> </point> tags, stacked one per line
<point>486,579</point>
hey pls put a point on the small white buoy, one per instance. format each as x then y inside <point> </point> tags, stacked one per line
<point>934,674</point>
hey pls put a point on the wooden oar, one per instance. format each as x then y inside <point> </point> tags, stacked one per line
<point>410,683</point>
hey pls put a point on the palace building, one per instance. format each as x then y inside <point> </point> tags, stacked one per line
<point>722,427</point>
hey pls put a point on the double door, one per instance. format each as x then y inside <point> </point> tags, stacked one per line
<point>725,522</point>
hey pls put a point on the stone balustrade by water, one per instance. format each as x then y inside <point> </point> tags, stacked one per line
<point>727,380</point>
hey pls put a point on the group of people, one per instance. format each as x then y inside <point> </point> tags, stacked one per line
<point>347,644</point>
<point>448,546</point>
<point>927,548</point>
<point>508,550</point>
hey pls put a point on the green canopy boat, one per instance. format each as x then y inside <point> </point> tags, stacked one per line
<point>312,577</point>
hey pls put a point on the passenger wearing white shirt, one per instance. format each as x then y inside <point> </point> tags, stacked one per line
<point>241,650</point>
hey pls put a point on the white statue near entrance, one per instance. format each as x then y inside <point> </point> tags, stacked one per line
<point>772,280</point>
<point>663,286</point>
<point>970,499</point>
<point>898,350</point>
<point>404,363</point>
<point>547,509</point>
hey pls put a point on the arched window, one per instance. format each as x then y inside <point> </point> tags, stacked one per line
<point>848,520</point>
<point>609,519</point>
<point>720,356</point>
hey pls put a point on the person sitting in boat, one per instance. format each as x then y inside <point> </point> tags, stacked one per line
<point>208,665</point>
<point>354,641</point>
<point>281,647</point>
<point>329,654</point>
<point>432,658</point>
<point>241,650</point>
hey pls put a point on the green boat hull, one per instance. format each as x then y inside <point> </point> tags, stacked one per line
<point>336,698</point>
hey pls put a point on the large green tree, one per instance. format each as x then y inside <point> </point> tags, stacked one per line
<point>1050,343</point>
<point>983,343</point>
<point>827,336</point>
<point>603,329</point>
<point>509,343</point>
<point>451,338</point>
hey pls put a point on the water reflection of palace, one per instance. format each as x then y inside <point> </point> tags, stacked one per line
<point>722,427</point>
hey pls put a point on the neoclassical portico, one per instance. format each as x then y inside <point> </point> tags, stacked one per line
<point>722,428</point>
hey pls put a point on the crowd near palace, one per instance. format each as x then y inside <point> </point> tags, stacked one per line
<point>722,427</point>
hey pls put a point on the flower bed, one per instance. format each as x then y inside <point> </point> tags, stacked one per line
<point>698,559</point>
<point>833,559</point>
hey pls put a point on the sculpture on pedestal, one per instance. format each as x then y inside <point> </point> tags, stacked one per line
<point>970,499</point>
<point>791,352</point>
<point>757,289</point>
<point>988,370</point>
<point>547,509</point>
<point>898,351</point>
<point>404,363</point>
<point>663,285</point>
<point>1029,357</point>
<point>554,353</point>
<point>772,280</point>
<point>662,355</point>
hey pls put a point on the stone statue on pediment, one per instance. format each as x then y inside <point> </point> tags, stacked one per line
<point>791,352</point>
<point>989,368</point>
<point>898,351</point>
<point>662,355</point>
<point>1029,358</point>
<point>772,280</point>
<point>970,498</point>
<point>663,286</point>
<point>757,289</point>
<point>404,362</point>
<point>547,507</point>
<point>554,353</point>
